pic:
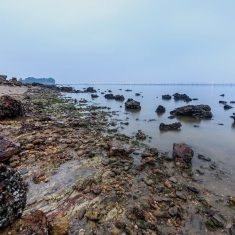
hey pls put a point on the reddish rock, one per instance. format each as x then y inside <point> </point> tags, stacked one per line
<point>182,153</point>
<point>35,223</point>
<point>7,148</point>
<point>10,107</point>
<point>144,155</point>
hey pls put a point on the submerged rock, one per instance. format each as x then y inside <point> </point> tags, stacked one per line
<point>12,195</point>
<point>198,111</point>
<point>140,135</point>
<point>114,97</point>
<point>7,148</point>
<point>160,109</point>
<point>94,96</point>
<point>182,154</point>
<point>204,158</point>
<point>167,127</point>
<point>10,107</point>
<point>132,104</point>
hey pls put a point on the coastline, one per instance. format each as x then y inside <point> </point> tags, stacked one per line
<point>86,176</point>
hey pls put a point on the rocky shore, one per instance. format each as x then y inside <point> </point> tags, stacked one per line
<point>83,177</point>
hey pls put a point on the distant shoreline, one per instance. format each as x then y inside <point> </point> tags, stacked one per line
<point>148,84</point>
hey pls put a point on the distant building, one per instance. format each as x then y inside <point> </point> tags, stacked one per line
<point>44,81</point>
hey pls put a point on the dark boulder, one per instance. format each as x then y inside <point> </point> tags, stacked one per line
<point>166,97</point>
<point>227,106</point>
<point>137,94</point>
<point>114,97</point>
<point>119,97</point>
<point>232,102</point>
<point>140,135</point>
<point>132,104</point>
<point>222,95</point>
<point>184,97</point>
<point>109,96</point>
<point>94,96</point>
<point>204,158</point>
<point>128,90</point>
<point>7,148</point>
<point>222,102</point>
<point>167,127</point>
<point>160,109</point>
<point>12,195</point>
<point>182,154</point>
<point>14,82</point>
<point>90,89</point>
<point>10,107</point>
<point>198,111</point>
<point>233,117</point>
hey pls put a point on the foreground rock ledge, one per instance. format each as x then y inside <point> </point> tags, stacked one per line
<point>12,195</point>
<point>10,107</point>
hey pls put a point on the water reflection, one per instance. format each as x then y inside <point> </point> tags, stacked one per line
<point>190,120</point>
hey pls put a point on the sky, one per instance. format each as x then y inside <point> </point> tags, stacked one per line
<point>119,41</point>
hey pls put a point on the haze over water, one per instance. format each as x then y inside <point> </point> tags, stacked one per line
<point>209,138</point>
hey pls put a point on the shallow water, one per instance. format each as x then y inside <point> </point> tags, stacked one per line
<point>210,139</point>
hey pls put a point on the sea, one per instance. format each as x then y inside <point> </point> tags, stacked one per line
<point>213,138</point>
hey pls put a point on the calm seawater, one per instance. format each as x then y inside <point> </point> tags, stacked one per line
<point>211,139</point>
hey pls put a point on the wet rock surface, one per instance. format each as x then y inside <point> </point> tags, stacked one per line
<point>184,97</point>
<point>12,195</point>
<point>197,111</point>
<point>132,104</point>
<point>10,107</point>
<point>114,97</point>
<point>168,127</point>
<point>166,97</point>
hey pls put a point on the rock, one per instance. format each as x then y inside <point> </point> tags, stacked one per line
<point>182,153</point>
<point>173,211</point>
<point>166,97</point>
<point>167,127</point>
<point>167,184</point>
<point>222,102</point>
<point>144,155</point>
<point>120,224</point>
<point>227,106</point>
<point>218,220</point>
<point>160,109</point>
<point>137,94</point>
<point>81,213</point>
<point>116,97</point>
<point>141,224</point>
<point>198,111</point>
<point>184,97</point>
<point>232,201</point>
<point>173,180</point>
<point>10,107</point>
<point>34,223</point>
<point>12,195</point>
<point>233,117</point>
<point>222,95</point>
<point>202,157</point>
<point>7,148</point>
<point>94,96</point>
<point>161,214</point>
<point>132,104</point>
<point>89,89</point>
<point>171,117</point>
<point>232,102</point>
<point>181,195</point>
<point>59,227</point>
<point>14,82</point>
<point>140,135</point>
<point>118,151</point>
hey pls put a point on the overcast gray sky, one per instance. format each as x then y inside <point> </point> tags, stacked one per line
<point>118,41</point>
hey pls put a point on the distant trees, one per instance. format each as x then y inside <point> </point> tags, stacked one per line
<point>44,81</point>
